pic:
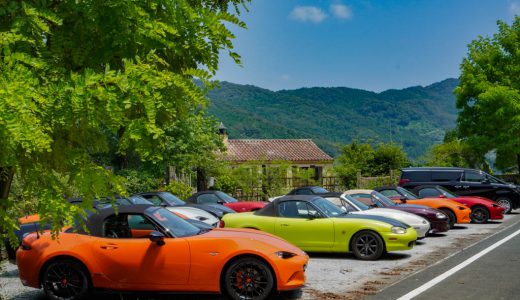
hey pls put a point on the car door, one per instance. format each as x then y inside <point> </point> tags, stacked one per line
<point>302,225</point>
<point>128,257</point>
<point>475,183</point>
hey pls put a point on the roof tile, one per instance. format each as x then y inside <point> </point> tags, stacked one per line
<point>275,149</point>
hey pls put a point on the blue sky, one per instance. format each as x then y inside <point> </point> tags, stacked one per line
<point>367,44</point>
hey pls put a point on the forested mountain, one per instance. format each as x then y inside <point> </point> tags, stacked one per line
<point>415,117</point>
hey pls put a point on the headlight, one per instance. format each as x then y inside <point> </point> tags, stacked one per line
<point>285,254</point>
<point>440,215</point>
<point>398,230</point>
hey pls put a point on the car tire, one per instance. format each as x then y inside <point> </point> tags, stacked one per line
<point>506,203</point>
<point>452,218</point>
<point>479,214</point>
<point>367,245</point>
<point>248,278</point>
<point>66,279</point>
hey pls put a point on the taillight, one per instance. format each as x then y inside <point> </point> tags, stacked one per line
<point>402,181</point>
<point>221,224</point>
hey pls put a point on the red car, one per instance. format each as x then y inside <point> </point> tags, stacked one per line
<point>482,209</point>
<point>218,197</point>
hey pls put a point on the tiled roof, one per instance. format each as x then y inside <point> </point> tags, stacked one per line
<point>275,149</point>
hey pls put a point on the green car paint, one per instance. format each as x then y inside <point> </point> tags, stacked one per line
<point>327,234</point>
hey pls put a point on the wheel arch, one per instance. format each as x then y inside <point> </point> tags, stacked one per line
<point>366,229</point>
<point>64,256</point>
<point>246,255</point>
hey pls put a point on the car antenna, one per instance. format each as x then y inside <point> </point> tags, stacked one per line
<point>36,229</point>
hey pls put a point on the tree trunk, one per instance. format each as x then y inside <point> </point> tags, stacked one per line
<point>518,162</point>
<point>6,178</point>
<point>201,180</point>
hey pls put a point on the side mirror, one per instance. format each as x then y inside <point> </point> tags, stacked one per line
<point>403,199</point>
<point>221,202</point>
<point>441,196</point>
<point>485,181</point>
<point>156,237</point>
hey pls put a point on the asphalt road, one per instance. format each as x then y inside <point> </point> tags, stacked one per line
<point>490,269</point>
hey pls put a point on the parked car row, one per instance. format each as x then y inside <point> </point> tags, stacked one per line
<point>155,242</point>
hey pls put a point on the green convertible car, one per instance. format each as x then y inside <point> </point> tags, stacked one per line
<point>315,224</point>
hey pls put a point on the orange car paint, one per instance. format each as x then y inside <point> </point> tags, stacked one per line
<point>139,265</point>
<point>463,215</point>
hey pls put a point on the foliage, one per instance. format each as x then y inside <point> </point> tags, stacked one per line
<point>362,159</point>
<point>179,189</point>
<point>415,118</point>
<point>263,179</point>
<point>80,80</point>
<point>138,181</point>
<point>488,95</point>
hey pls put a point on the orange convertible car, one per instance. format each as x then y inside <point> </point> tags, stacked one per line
<point>147,248</point>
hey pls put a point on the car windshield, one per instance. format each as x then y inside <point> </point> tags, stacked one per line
<point>446,193</point>
<point>382,199</point>
<point>409,195</point>
<point>172,199</point>
<point>226,197</point>
<point>135,199</point>
<point>493,179</point>
<point>173,224</point>
<point>319,190</point>
<point>327,207</point>
<point>356,202</point>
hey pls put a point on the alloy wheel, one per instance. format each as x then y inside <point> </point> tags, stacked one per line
<point>65,279</point>
<point>249,279</point>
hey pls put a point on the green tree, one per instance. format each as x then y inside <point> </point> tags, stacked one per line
<point>361,158</point>
<point>388,157</point>
<point>453,152</point>
<point>354,158</point>
<point>79,79</point>
<point>488,95</point>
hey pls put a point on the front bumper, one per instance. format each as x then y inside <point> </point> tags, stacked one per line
<point>396,242</point>
<point>291,272</point>
<point>440,226</point>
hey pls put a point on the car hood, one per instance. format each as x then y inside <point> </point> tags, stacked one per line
<point>390,221</point>
<point>399,215</point>
<point>252,235</point>
<point>474,200</point>
<point>216,209</point>
<point>195,213</point>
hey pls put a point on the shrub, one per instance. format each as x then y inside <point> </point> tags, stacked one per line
<point>179,189</point>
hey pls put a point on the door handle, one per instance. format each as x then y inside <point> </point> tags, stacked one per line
<point>284,225</point>
<point>466,186</point>
<point>457,186</point>
<point>109,247</point>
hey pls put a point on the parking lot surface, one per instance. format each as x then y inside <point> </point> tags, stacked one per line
<point>339,276</point>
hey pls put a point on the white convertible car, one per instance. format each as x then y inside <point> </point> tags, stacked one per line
<point>183,211</point>
<point>346,202</point>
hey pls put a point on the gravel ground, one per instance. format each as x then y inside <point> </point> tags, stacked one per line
<point>335,276</point>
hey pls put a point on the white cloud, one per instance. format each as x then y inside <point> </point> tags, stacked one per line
<point>308,14</point>
<point>514,8</point>
<point>341,11</point>
<point>285,77</point>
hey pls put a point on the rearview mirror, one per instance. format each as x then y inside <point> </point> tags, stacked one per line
<point>156,237</point>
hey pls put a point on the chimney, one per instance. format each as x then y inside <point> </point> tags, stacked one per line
<point>222,130</point>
